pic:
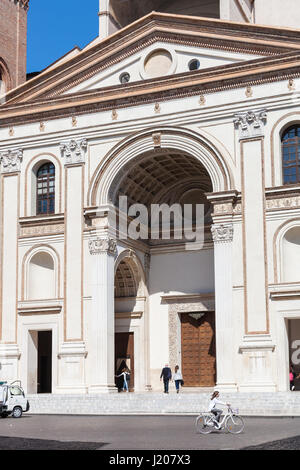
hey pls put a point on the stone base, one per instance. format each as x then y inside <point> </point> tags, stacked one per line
<point>69,389</point>
<point>94,389</point>
<point>257,387</point>
<point>226,387</point>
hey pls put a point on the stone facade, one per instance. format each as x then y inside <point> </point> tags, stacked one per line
<point>103,123</point>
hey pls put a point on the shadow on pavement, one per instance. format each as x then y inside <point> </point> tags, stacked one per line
<point>291,443</point>
<point>21,443</point>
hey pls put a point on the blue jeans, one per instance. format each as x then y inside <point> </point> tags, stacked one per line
<point>125,385</point>
<point>177,384</point>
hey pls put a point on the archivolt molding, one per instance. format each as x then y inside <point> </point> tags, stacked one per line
<point>110,171</point>
<point>277,246</point>
<point>42,248</point>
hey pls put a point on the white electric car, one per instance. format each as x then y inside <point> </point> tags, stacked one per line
<point>12,400</point>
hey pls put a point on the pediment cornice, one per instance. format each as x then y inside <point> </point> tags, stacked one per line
<point>194,31</point>
<point>244,74</point>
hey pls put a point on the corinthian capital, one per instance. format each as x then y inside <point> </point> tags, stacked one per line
<point>11,160</point>
<point>73,151</point>
<point>103,245</point>
<point>251,123</point>
<point>222,233</point>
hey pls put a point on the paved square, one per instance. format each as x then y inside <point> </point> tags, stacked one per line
<point>140,433</point>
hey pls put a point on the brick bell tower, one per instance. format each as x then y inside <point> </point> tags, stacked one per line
<point>13,42</point>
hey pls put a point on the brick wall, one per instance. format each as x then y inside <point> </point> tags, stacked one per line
<point>13,41</point>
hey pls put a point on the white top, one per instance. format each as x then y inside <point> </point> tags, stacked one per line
<point>177,376</point>
<point>124,375</point>
<point>214,402</point>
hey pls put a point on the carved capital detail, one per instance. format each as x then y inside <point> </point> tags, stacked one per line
<point>103,245</point>
<point>251,123</point>
<point>222,233</point>
<point>11,160</point>
<point>73,151</point>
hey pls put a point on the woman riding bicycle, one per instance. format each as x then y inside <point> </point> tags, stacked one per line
<point>213,409</point>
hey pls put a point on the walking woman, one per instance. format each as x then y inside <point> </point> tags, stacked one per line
<point>177,377</point>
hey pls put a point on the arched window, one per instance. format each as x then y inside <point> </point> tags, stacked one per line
<point>45,187</point>
<point>291,155</point>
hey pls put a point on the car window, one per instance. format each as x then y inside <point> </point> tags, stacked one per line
<point>15,391</point>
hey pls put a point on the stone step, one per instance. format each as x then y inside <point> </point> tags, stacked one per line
<point>277,404</point>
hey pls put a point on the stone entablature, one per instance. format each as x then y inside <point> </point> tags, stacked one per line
<point>283,197</point>
<point>37,226</point>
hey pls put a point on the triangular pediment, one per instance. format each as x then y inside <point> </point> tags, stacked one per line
<point>156,44</point>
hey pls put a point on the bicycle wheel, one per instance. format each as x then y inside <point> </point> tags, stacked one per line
<point>201,425</point>
<point>234,424</point>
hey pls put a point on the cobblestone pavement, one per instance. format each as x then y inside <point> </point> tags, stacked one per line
<point>142,433</point>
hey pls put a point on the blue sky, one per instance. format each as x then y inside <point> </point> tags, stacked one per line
<point>56,26</point>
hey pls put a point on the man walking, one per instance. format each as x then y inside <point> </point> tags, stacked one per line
<point>166,375</point>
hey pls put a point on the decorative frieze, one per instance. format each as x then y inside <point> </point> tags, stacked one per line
<point>221,209</point>
<point>283,203</point>
<point>11,160</point>
<point>38,230</point>
<point>250,124</point>
<point>222,233</point>
<point>73,151</point>
<point>103,245</point>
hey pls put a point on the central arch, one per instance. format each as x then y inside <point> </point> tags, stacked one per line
<point>154,140</point>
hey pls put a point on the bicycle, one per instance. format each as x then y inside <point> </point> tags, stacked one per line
<point>206,422</point>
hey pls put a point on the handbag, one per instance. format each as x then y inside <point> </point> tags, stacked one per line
<point>182,382</point>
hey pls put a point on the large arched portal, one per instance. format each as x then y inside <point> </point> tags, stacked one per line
<point>177,273</point>
<point>169,167</point>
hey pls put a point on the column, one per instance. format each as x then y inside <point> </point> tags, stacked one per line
<point>256,347</point>
<point>72,351</point>
<point>10,188</point>
<point>103,251</point>
<point>222,236</point>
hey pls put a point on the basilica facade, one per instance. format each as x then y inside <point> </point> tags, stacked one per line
<point>169,107</point>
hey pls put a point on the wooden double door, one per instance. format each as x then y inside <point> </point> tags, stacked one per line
<point>198,349</point>
<point>124,358</point>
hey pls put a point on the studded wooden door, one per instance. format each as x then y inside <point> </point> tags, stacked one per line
<point>198,349</point>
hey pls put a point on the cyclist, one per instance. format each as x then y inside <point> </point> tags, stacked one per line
<point>213,409</point>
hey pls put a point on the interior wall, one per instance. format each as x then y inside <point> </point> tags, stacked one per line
<point>173,274</point>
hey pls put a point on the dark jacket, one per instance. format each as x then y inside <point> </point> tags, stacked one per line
<point>166,373</point>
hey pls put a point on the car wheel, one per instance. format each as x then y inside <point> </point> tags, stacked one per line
<point>17,412</point>
<point>4,415</point>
